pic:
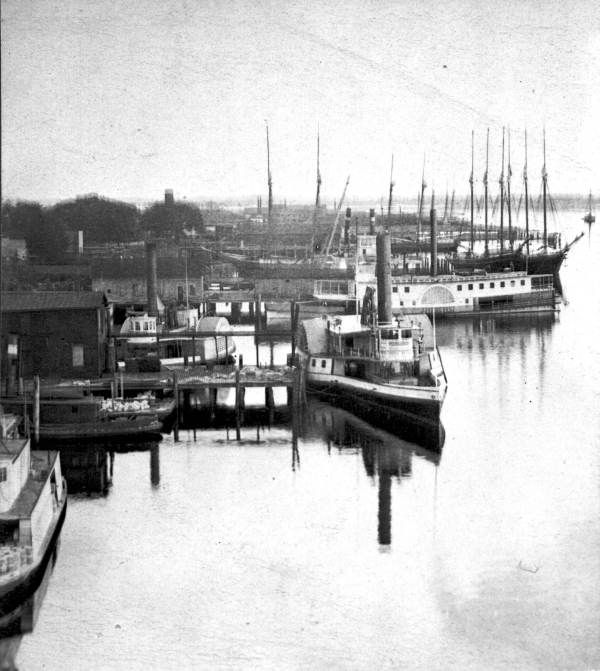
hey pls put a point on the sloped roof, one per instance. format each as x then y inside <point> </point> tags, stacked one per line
<point>30,301</point>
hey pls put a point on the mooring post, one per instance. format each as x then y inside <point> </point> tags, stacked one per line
<point>270,403</point>
<point>36,408</point>
<point>293,327</point>
<point>271,354</point>
<point>237,405</point>
<point>212,394</point>
<point>176,395</point>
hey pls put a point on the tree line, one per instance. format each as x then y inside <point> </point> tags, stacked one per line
<point>47,230</point>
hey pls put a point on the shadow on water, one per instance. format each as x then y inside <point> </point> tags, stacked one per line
<point>386,458</point>
<point>22,619</point>
<point>89,466</point>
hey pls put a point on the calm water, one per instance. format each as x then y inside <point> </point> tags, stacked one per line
<point>357,550</point>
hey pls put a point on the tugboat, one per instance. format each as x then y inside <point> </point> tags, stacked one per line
<point>33,504</point>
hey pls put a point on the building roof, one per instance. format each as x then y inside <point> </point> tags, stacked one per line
<point>34,301</point>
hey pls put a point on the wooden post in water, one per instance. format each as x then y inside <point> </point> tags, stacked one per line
<point>270,403</point>
<point>237,405</point>
<point>36,409</point>
<point>176,395</point>
<point>212,394</point>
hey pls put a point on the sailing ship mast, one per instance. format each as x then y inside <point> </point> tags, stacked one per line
<point>502,198</point>
<point>389,212</point>
<point>317,199</point>
<point>508,176</point>
<point>526,197</point>
<point>423,187</point>
<point>270,184</point>
<point>544,192</point>
<point>485,190</point>
<point>471,180</point>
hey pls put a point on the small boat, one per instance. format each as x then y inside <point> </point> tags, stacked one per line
<point>90,418</point>
<point>200,340</point>
<point>589,217</point>
<point>390,374</point>
<point>145,404</point>
<point>33,503</point>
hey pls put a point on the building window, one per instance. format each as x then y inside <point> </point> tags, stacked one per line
<point>192,290</point>
<point>470,287</point>
<point>481,285</point>
<point>77,356</point>
<point>502,284</point>
<point>323,363</point>
<point>466,300</point>
<point>3,474</point>
<point>406,290</point>
<point>522,283</point>
<point>512,283</point>
<point>459,287</point>
<point>137,326</point>
<point>395,290</point>
<point>492,285</point>
<point>414,302</point>
<point>313,363</point>
<point>145,326</point>
<point>401,303</point>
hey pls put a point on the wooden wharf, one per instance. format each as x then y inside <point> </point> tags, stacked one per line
<point>181,382</point>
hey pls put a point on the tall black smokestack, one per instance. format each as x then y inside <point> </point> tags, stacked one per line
<point>371,221</point>
<point>347,226</point>
<point>151,278</point>
<point>384,278</point>
<point>433,234</point>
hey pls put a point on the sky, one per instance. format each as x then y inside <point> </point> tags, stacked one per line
<point>126,99</point>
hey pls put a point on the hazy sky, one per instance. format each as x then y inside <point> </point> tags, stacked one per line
<point>129,98</point>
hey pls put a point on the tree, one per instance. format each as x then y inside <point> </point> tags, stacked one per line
<point>46,239</point>
<point>100,219</point>
<point>163,219</point>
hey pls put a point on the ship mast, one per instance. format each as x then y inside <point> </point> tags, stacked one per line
<point>485,185</point>
<point>526,197</point>
<point>508,176</point>
<point>502,198</point>
<point>471,180</point>
<point>389,212</point>
<point>544,190</point>
<point>317,199</point>
<point>270,184</point>
<point>423,187</point>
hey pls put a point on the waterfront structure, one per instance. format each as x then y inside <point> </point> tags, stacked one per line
<point>54,334</point>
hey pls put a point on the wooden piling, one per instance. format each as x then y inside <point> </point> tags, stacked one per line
<point>176,395</point>
<point>270,403</point>
<point>237,405</point>
<point>36,408</point>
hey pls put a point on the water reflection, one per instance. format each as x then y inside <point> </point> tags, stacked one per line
<point>386,458</point>
<point>22,619</point>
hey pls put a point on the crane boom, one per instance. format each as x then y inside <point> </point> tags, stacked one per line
<point>337,217</point>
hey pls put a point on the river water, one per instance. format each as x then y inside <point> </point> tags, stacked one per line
<point>338,546</point>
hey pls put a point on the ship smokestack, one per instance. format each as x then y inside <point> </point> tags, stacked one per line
<point>433,235</point>
<point>372,221</point>
<point>347,226</point>
<point>169,197</point>
<point>384,277</point>
<point>152,278</point>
